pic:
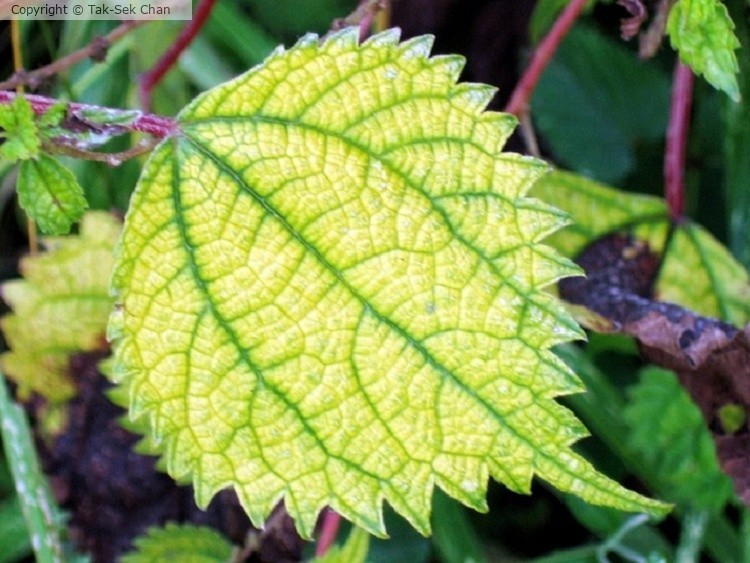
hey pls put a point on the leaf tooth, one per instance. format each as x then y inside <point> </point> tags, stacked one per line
<point>474,96</point>
<point>357,497</point>
<point>451,65</point>
<point>307,40</point>
<point>304,499</point>
<point>468,484</point>
<point>385,38</point>
<point>257,507</point>
<point>343,39</point>
<point>416,47</point>
<point>412,497</point>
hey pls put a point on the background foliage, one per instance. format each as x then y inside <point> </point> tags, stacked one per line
<point>601,113</point>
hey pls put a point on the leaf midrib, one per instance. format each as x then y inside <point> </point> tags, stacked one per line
<point>418,345</point>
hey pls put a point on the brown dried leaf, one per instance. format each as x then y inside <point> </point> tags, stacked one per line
<point>711,357</point>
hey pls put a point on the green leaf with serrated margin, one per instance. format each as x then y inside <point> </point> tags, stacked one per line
<point>50,194</point>
<point>59,308</point>
<point>703,34</point>
<point>354,550</point>
<point>669,432</point>
<point>331,292</point>
<point>184,543</point>
<point>18,131</point>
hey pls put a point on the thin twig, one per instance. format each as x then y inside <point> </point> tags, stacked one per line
<point>154,125</point>
<point>109,158</point>
<point>362,17</point>
<point>677,135</point>
<point>519,100</point>
<point>328,533</point>
<point>153,76</point>
<point>96,49</point>
<point>650,40</point>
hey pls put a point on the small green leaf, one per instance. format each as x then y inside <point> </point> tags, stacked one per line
<point>61,307</point>
<point>52,117</point>
<point>669,432</point>
<point>184,543</point>
<point>732,418</point>
<point>335,294</point>
<point>354,550</point>
<point>21,138</point>
<point>703,34</point>
<point>50,194</point>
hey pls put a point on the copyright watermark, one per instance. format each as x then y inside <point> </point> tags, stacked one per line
<point>96,9</point>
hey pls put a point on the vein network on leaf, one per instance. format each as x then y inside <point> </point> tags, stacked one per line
<point>330,289</point>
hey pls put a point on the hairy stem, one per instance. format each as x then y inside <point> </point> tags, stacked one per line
<point>154,125</point>
<point>328,533</point>
<point>519,100</point>
<point>153,76</point>
<point>96,50</point>
<point>677,135</point>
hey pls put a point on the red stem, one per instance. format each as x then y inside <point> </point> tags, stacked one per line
<point>328,533</point>
<point>153,76</point>
<point>153,125</point>
<point>677,135</point>
<point>519,100</point>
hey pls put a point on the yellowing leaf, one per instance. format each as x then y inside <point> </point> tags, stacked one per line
<point>697,272</point>
<point>61,307</point>
<point>700,273</point>
<point>330,287</point>
<point>703,34</point>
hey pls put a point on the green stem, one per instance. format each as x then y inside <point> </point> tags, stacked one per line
<point>691,538</point>
<point>43,519</point>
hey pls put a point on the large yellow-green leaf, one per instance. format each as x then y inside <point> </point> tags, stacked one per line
<point>330,291</point>
<point>60,307</point>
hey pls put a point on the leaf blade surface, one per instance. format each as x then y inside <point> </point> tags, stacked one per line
<point>333,294</point>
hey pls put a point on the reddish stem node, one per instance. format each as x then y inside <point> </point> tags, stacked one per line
<point>328,532</point>
<point>152,77</point>
<point>519,100</point>
<point>154,125</point>
<point>677,135</point>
